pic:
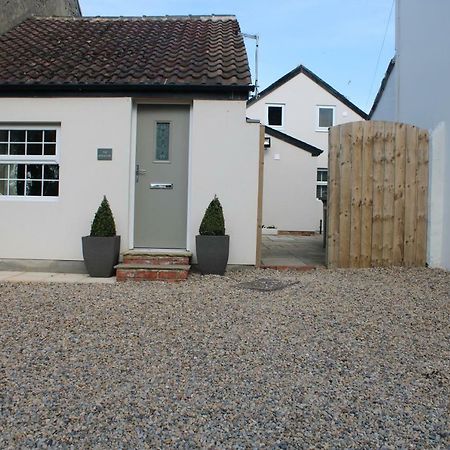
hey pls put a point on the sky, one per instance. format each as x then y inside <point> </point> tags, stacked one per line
<point>348,43</point>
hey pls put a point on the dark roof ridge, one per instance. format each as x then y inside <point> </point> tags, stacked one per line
<point>293,141</point>
<point>383,84</point>
<point>216,17</point>
<point>312,76</point>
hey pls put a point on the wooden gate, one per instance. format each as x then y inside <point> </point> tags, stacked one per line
<point>377,195</point>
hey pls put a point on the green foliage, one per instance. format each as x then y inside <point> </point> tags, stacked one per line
<point>213,223</point>
<point>103,224</point>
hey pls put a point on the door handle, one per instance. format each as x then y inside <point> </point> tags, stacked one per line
<point>139,172</point>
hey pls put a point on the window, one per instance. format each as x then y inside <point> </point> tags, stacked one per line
<point>28,162</point>
<point>325,117</point>
<point>275,115</point>
<point>322,181</point>
<point>162,141</point>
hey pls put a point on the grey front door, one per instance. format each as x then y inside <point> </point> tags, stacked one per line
<point>161,176</point>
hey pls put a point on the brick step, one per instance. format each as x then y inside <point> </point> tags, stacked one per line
<point>158,260</point>
<point>152,272</point>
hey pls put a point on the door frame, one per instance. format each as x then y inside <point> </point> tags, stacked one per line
<point>132,168</point>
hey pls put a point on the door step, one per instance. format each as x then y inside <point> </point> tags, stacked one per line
<point>154,265</point>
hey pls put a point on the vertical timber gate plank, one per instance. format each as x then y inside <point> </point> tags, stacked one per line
<point>410,196</point>
<point>388,195</point>
<point>345,174</point>
<point>356,194</point>
<point>377,195</point>
<point>399,193</point>
<point>367,198</point>
<point>332,244</point>
<point>422,199</point>
<point>378,188</point>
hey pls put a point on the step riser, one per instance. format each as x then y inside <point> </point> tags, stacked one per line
<point>151,275</point>
<point>157,260</point>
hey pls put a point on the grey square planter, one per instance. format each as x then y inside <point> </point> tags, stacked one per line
<point>212,254</point>
<point>101,254</point>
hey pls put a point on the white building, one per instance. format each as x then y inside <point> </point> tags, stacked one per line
<point>303,106</point>
<point>133,109</point>
<point>416,91</point>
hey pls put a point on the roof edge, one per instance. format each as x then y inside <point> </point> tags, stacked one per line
<point>293,141</point>
<point>312,76</point>
<point>383,85</point>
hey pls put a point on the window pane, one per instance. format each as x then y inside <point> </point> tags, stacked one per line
<point>34,171</point>
<point>34,136</point>
<point>51,188</point>
<point>49,149</point>
<point>34,188</point>
<point>275,115</point>
<point>322,175</point>
<point>3,187</point>
<point>50,135</point>
<point>3,149</point>
<point>3,135</point>
<point>17,135</point>
<point>321,191</point>
<point>17,171</point>
<point>34,149</point>
<point>51,172</point>
<point>17,149</point>
<point>162,141</point>
<point>16,187</point>
<point>3,170</point>
<point>325,117</point>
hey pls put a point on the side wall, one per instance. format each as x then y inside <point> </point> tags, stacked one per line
<point>424,100</point>
<point>224,161</point>
<point>52,229</point>
<point>15,11</point>
<point>289,196</point>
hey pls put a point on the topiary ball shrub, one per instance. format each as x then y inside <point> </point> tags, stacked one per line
<point>103,224</point>
<point>213,223</point>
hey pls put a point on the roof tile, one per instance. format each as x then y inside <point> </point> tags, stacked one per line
<point>174,50</point>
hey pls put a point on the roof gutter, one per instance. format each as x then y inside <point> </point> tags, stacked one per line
<point>238,91</point>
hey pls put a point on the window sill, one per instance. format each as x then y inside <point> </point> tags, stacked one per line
<point>23,198</point>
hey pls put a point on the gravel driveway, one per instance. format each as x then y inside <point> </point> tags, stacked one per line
<point>340,359</point>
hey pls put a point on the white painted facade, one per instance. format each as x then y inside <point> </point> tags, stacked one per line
<point>419,94</point>
<point>301,98</point>
<point>223,160</point>
<point>289,209</point>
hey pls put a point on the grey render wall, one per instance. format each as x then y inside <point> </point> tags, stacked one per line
<point>13,12</point>
<point>423,92</point>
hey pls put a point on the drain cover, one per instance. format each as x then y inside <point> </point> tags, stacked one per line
<point>266,284</point>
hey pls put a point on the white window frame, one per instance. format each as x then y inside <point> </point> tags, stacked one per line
<point>319,107</point>
<point>280,105</point>
<point>321,183</point>
<point>33,159</point>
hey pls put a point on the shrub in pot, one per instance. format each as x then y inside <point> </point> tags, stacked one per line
<point>101,249</point>
<point>212,243</point>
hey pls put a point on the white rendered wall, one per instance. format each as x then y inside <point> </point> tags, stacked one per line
<point>225,161</point>
<point>423,43</point>
<point>301,97</point>
<point>289,200</point>
<point>52,229</point>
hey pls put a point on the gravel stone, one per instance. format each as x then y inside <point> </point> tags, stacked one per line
<point>339,359</point>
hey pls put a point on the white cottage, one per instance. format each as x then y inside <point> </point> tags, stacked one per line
<point>150,112</point>
<point>302,106</point>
